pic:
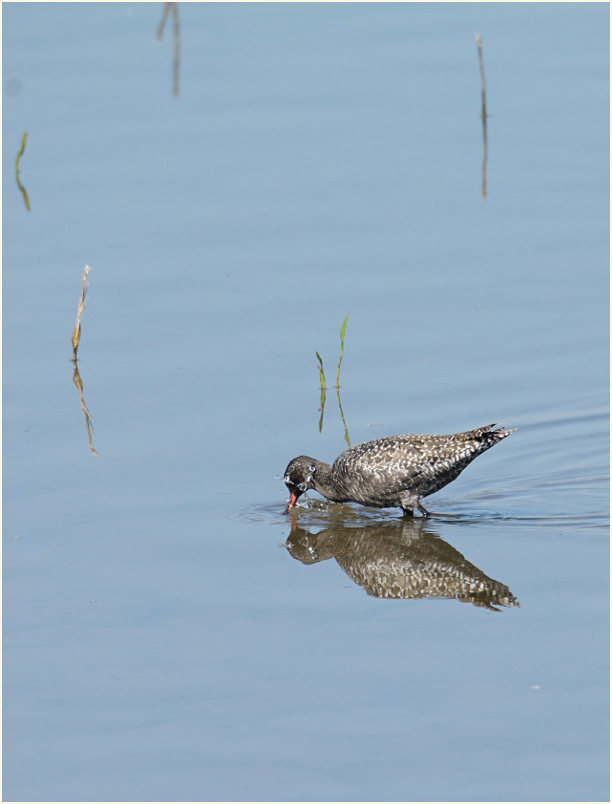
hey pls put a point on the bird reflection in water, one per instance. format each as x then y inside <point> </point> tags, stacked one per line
<point>400,559</point>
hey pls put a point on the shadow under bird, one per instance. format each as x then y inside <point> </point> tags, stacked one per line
<point>393,472</point>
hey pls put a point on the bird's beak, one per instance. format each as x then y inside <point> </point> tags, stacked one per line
<point>292,502</point>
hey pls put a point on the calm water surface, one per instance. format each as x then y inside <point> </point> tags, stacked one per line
<point>169,634</point>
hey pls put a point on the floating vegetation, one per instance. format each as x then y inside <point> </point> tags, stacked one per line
<point>483,90</point>
<point>24,141</point>
<point>176,30</point>
<point>76,377</point>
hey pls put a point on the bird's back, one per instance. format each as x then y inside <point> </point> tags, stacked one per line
<point>382,472</point>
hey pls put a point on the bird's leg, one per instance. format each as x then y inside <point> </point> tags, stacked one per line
<point>408,512</point>
<point>423,510</point>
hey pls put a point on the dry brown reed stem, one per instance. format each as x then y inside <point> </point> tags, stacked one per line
<point>483,90</point>
<point>76,335</point>
<point>483,83</point>
<point>76,377</point>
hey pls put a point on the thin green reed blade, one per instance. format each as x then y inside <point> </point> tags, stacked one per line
<point>321,372</point>
<point>322,408</point>
<point>346,432</point>
<point>342,334</point>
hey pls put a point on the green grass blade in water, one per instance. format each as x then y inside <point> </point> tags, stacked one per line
<point>342,334</point>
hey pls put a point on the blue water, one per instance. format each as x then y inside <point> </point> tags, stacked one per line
<point>169,634</point>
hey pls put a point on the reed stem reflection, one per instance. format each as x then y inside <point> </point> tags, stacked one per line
<point>76,378</point>
<point>176,31</point>
<point>483,89</point>
<point>24,141</point>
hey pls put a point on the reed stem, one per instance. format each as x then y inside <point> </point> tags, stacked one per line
<point>342,334</point>
<point>76,335</point>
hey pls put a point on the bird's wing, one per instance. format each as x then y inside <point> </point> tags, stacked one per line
<point>390,463</point>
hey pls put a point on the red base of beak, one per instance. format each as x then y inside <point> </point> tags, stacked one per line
<point>292,502</point>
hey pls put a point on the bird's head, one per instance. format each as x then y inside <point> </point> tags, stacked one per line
<point>299,477</point>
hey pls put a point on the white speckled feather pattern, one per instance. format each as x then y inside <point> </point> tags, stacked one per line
<point>396,471</point>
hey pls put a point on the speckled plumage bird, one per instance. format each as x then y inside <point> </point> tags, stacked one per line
<point>397,471</point>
